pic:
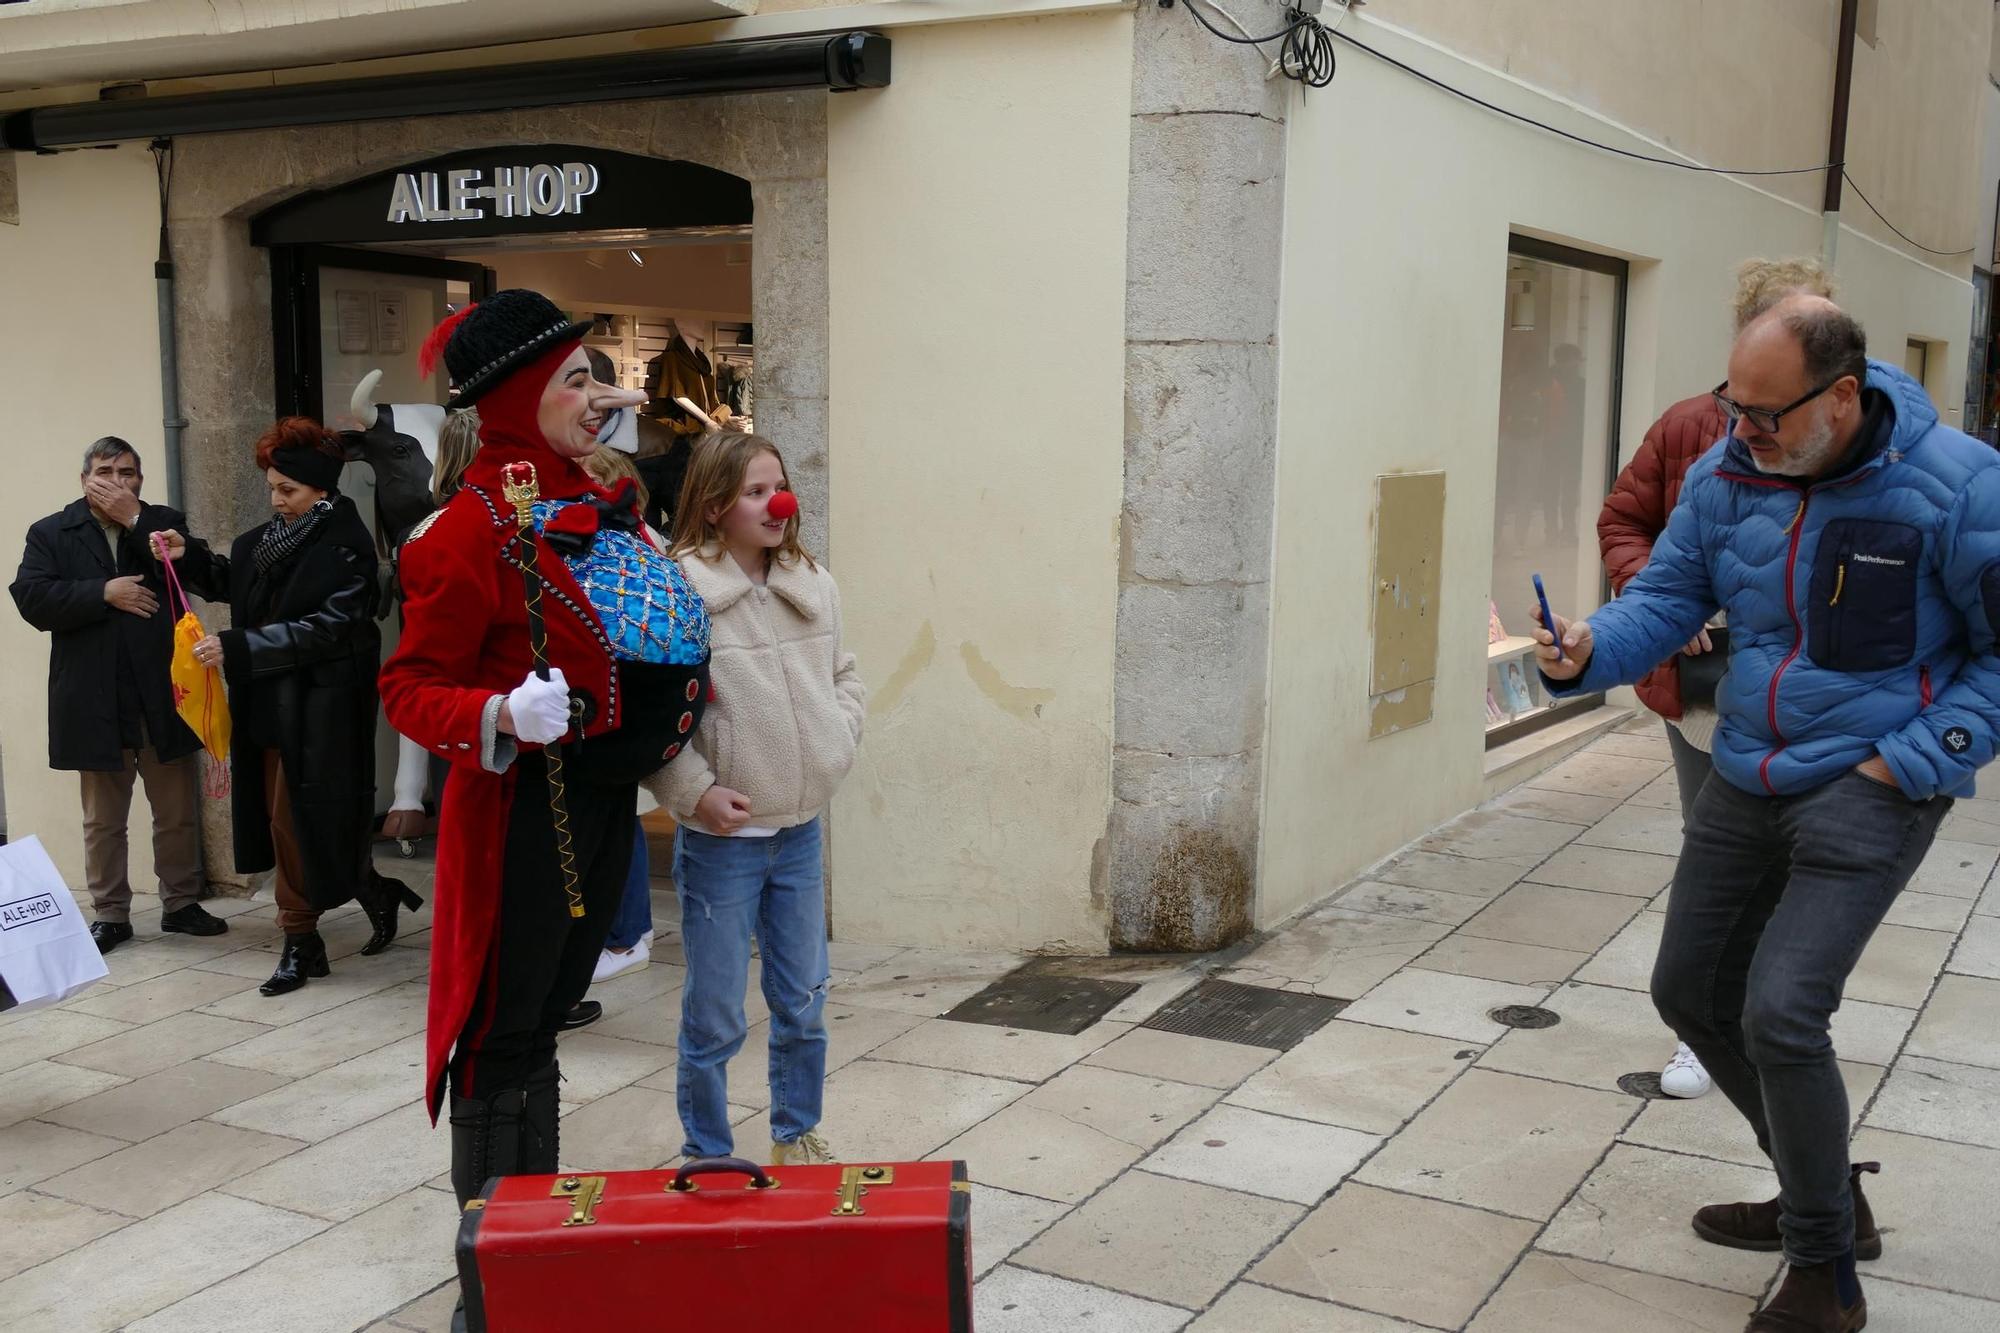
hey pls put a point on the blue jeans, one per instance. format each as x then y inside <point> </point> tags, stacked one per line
<point>730,888</point>
<point>1773,902</point>
<point>635,907</point>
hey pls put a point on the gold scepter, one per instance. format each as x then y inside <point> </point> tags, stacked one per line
<point>521,488</point>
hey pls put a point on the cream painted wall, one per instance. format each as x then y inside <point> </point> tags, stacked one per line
<point>977,472</point>
<point>82,360</point>
<point>1391,331</point>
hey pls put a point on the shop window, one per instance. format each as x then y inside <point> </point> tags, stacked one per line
<point>1561,337</point>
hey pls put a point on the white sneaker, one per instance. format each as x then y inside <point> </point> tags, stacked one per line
<point>808,1150</point>
<point>1684,1076</point>
<point>610,963</point>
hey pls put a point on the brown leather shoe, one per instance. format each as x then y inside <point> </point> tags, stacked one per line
<point>1754,1226</point>
<point>1809,1302</point>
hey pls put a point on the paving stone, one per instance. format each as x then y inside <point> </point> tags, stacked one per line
<point>1154,993</point>
<point>39,1227</point>
<point>163,1101</point>
<point>1492,835</point>
<point>1907,1309</point>
<point>145,959</point>
<point>354,1171</point>
<point>655,1019</point>
<point>429,1313</point>
<point>1366,1078</point>
<point>351,979</point>
<point>1611,775</point>
<point>1013,1300</point>
<point>1662,793</point>
<point>1555,918</point>
<point>1169,1240</point>
<point>1648,744</point>
<point>143,1179</point>
<point>161,997</point>
<point>594,1065</point>
<point>1249,1308</point>
<point>1870,1034</point>
<point>1337,951</point>
<point>1359,1248</point>
<point>1067,1138</point>
<point>1497,960</point>
<point>171,1255</point>
<point>44,1085</point>
<point>1974,822</point>
<point>1929,911</point>
<point>1440,1004</point>
<point>1627,962</point>
<point>1564,807</point>
<point>1552,1291</point>
<point>747,1076</point>
<point>1606,870</point>
<point>1954,869</point>
<point>1710,1126</point>
<point>981,1048</point>
<point>349,1094</point>
<point>33,1150</point>
<point>1978,952</point>
<point>1269,1155</point>
<point>45,1033</point>
<point>633,1129</point>
<point>137,1052</point>
<point>1959,1023</point>
<point>1939,1210</point>
<point>326,1039</point>
<point>1605,1033</point>
<point>885,1113</point>
<point>1395,900</point>
<point>1449,874</point>
<point>1940,1101</point>
<point>925,982</point>
<point>1637,828</point>
<point>1184,1059</point>
<point>1511,1145</point>
<point>1899,966</point>
<point>1989,900</point>
<point>1005,1221</point>
<point>356,1272</point>
<point>251,962</point>
<point>1633,1212</point>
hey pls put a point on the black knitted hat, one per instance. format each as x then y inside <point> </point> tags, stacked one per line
<point>484,343</point>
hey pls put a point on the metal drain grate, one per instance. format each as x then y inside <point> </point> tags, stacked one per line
<point>1643,1084</point>
<point>1524,1016</point>
<point>1247,1015</point>
<point>1033,1000</point>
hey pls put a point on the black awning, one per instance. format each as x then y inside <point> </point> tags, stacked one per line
<point>840,63</point>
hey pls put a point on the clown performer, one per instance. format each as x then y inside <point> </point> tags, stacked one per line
<point>535,827</point>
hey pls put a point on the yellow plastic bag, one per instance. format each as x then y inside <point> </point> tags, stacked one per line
<point>198,692</point>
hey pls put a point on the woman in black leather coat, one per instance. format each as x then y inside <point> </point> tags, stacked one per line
<point>300,663</point>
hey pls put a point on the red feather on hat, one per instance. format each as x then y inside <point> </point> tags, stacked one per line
<point>433,348</point>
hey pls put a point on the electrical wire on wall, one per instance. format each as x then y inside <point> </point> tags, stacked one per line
<point>1306,53</point>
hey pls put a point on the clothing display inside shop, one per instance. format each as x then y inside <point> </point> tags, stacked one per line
<point>681,371</point>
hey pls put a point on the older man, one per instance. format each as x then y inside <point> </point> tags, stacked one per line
<point>87,578</point>
<point>1855,543</point>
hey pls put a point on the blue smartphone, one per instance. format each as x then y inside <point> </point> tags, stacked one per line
<point>1548,617</point>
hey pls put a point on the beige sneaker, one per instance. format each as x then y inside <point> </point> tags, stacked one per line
<point>809,1150</point>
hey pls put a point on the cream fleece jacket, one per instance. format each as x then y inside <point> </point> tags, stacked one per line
<point>785,719</point>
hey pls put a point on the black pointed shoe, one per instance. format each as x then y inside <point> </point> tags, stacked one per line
<point>193,919</point>
<point>304,958</point>
<point>380,898</point>
<point>109,934</point>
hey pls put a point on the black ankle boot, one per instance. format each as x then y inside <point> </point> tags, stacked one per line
<point>541,1137</point>
<point>379,898</point>
<point>485,1142</point>
<point>304,957</point>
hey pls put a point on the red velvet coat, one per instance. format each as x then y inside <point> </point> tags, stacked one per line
<point>465,639</point>
<point>1636,513</point>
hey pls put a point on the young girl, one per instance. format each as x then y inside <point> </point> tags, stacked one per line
<point>779,734</point>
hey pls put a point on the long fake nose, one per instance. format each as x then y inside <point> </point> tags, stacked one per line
<point>604,397</point>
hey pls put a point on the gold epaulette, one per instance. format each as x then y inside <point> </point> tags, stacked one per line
<point>424,525</point>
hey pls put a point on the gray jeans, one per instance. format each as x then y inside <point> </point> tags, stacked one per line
<point>1773,902</point>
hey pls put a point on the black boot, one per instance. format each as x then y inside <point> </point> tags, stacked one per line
<point>485,1142</point>
<point>379,898</point>
<point>541,1139</point>
<point>304,957</point>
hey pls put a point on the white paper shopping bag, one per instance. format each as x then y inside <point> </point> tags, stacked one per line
<point>46,953</point>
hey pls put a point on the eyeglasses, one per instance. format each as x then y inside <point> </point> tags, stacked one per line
<point>1763,418</point>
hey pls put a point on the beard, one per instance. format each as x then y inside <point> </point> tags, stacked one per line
<point>1808,458</point>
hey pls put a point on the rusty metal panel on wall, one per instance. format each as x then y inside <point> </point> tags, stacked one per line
<point>1409,559</point>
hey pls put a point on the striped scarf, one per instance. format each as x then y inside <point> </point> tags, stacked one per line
<point>281,540</point>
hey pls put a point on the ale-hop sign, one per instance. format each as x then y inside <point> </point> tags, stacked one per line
<point>469,194</point>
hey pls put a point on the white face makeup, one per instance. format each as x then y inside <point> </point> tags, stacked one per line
<point>575,406</point>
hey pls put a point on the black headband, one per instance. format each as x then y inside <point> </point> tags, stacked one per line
<point>308,466</point>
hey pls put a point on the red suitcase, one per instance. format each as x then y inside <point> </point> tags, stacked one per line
<point>722,1244</point>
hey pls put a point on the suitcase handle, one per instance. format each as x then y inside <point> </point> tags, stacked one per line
<point>683,1181</point>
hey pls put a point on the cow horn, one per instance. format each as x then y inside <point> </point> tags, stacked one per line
<point>363,401</point>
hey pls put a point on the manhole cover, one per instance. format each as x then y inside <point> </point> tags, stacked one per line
<point>1524,1016</point>
<point>1030,999</point>
<point>1643,1084</point>
<point>1247,1015</point>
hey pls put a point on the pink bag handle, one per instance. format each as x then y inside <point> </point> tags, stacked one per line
<point>174,589</point>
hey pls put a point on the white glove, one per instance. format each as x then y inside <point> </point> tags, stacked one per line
<point>540,708</point>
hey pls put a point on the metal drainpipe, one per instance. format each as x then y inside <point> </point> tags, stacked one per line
<point>1836,139</point>
<point>170,375</point>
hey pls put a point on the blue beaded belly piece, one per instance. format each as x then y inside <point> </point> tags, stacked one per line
<point>649,610</point>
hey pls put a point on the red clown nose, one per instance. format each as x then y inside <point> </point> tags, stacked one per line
<point>783,505</point>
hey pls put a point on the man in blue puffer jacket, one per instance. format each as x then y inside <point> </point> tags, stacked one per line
<point>1855,543</point>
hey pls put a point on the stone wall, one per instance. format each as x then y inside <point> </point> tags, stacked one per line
<point>776,141</point>
<point>1205,238</point>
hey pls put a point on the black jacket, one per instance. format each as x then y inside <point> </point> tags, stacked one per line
<point>301,664</point>
<point>99,656</point>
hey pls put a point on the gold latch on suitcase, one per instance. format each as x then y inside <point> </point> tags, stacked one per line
<point>855,1182</point>
<point>583,1192</point>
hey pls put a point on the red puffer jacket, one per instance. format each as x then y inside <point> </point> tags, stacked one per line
<point>1636,512</point>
